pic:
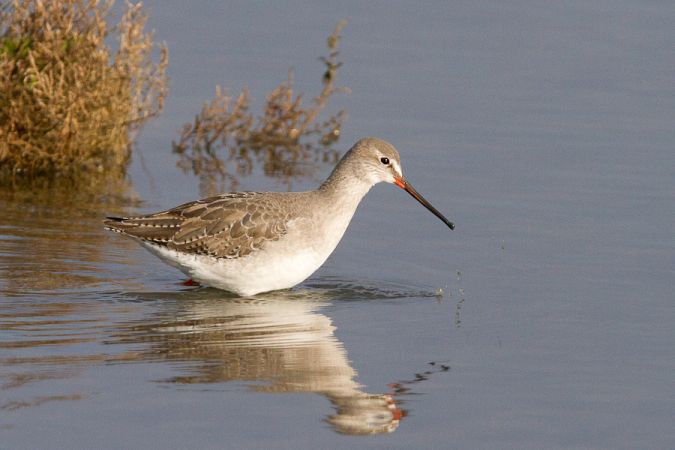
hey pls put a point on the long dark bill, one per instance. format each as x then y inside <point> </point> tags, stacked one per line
<point>416,195</point>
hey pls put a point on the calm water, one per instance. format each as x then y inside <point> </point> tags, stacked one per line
<point>543,129</point>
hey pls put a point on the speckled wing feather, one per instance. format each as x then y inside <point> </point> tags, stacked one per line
<point>226,226</point>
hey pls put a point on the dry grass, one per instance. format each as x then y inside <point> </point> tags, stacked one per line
<point>225,141</point>
<point>69,105</point>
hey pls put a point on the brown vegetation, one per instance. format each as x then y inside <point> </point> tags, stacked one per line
<point>69,105</point>
<point>225,141</point>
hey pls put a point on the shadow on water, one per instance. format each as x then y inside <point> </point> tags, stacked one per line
<point>280,342</point>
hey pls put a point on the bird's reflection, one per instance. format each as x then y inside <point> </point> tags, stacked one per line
<point>280,342</point>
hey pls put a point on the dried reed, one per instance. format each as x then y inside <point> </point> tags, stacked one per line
<point>226,141</point>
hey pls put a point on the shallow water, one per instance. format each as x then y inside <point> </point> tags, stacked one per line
<point>545,320</point>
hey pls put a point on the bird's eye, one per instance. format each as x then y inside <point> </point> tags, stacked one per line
<point>384,160</point>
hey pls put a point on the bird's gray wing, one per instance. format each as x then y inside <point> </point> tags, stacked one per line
<point>225,226</point>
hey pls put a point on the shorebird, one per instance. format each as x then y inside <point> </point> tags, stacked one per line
<point>253,242</point>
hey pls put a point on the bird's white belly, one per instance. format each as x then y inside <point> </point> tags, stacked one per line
<point>279,265</point>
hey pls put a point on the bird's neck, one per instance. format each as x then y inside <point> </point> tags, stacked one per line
<point>343,187</point>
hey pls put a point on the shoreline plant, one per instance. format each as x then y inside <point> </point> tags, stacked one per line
<point>70,106</point>
<point>226,141</point>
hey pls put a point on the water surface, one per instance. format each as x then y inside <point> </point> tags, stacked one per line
<point>545,320</point>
